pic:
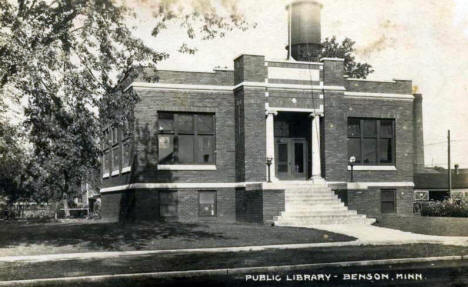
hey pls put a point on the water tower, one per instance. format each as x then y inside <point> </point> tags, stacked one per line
<point>304,30</point>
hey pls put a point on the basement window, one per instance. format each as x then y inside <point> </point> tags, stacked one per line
<point>207,203</point>
<point>168,204</point>
<point>388,200</point>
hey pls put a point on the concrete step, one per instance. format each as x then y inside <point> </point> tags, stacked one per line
<point>314,212</point>
<point>335,206</point>
<point>312,190</point>
<point>308,200</point>
<point>322,219</point>
<point>317,207</point>
<point>310,196</point>
<point>313,204</point>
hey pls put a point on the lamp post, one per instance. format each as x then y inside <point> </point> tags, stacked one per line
<point>269,160</point>
<point>352,160</point>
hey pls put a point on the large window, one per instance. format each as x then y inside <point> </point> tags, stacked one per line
<point>186,138</point>
<point>371,141</point>
<point>126,146</point>
<point>106,160</point>
<point>115,149</point>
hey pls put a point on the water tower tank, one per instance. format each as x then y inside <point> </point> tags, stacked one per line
<point>304,29</point>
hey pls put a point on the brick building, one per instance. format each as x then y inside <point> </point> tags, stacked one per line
<point>205,145</point>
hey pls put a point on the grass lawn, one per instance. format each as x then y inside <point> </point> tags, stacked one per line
<point>53,238</point>
<point>444,226</point>
<point>183,261</point>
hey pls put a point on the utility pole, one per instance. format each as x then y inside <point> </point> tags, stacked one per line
<point>449,168</point>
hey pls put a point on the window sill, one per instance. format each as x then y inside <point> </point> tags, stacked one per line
<point>126,169</point>
<point>186,167</point>
<point>115,172</point>
<point>105,175</point>
<point>373,167</point>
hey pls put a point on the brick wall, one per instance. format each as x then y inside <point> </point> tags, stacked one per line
<point>152,101</point>
<point>368,201</point>
<point>333,71</point>
<point>337,110</point>
<point>335,137</point>
<point>239,134</point>
<point>395,87</point>
<point>254,134</point>
<point>110,207</point>
<point>258,206</point>
<point>218,77</point>
<point>143,204</point>
<point>305,99</point>
<point>249,68</point>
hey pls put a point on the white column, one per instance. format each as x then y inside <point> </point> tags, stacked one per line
<point>270,143</point>
<point>315,142</point>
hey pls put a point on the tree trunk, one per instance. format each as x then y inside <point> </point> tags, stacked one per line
<point>65,208</point>
<point>65,196</point>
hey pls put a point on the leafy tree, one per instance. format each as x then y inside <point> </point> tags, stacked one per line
<point>333,49</point>
<point>64,56</point>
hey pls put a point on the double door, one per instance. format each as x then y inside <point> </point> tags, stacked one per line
<point>291,158</point>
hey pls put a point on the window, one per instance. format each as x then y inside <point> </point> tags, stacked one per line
<point>387,199</point>
<point>371,141</point>
<point>115,135</point>
<point>186,138</point>
<point>207,203</point>
<point>105,162</point>
<point>168,204</point>
<point>126,153</point>
<point>115,163</point>
<point>126,146</point>
<point>105,153</point>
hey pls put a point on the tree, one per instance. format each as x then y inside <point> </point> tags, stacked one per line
<point>64,56</point>
<point>332,49</point>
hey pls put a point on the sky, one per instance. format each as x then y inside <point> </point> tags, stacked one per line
<point>422,40</point>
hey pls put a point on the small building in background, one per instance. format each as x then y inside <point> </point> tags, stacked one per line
<point>432,184</point>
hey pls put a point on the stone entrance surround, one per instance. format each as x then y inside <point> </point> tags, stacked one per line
<point>315,115</point>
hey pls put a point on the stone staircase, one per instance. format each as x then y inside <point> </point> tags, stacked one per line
<point>315,204</point>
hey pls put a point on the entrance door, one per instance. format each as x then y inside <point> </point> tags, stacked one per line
<point>291,158</point>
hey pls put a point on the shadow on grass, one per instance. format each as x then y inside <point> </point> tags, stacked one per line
<point>102,236</point>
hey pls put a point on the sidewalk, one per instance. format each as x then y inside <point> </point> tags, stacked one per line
<point>374,235</point>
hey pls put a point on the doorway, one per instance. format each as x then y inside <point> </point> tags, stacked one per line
<point>291,158</point>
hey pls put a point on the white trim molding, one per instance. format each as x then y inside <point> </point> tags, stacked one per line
<point>366,185</point>
<point>373,167</point>
<point>115,172</point>
<point>193,87</point>
<point>380,96</point>
<point>367,80</point>
<point>298,110</point>
<point>186,167</point>
<point>126,169</point>
<point>292,61</point>
<point>190,185</point>
<point>105,175</point>
<point>332,59</point>
<point>168,86</point>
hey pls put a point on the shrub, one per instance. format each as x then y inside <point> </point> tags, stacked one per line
<point>450,208</point>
